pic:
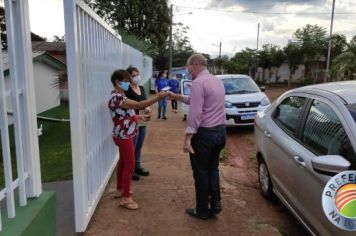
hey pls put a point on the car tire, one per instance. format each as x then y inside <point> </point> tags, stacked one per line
<point>264,180</point>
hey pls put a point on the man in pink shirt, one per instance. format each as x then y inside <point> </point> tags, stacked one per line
<point>205,135</point>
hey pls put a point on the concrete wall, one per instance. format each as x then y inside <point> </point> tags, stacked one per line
<point>280,74</point>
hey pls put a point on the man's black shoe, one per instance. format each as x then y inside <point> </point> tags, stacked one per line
<point>164,118</point>
<point>193,213</point>
<point>135,176</point>
<point>215,211</point>
<point>142,172</point>
<point>215,208</point>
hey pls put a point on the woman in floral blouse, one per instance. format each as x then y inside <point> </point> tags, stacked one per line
<point>125,127</point>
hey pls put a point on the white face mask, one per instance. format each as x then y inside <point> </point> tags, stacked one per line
<point>136,79</point>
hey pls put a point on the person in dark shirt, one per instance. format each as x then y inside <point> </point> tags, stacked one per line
<point>160,83</point>
<point>174,84</point>
<point>137,93</point>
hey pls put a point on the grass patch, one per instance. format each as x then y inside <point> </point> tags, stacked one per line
<point>54,145</point>
<point>224,155</point>
<point>282,230</point>
<point>55,152</point>
<point>60,112</point>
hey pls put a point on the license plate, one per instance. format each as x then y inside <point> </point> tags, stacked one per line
<point>248,117</point>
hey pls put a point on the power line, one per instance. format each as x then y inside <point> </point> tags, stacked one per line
<point>264,12</point>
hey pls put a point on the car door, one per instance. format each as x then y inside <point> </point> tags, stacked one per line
<point>282,145</point>
<point>323,134</point>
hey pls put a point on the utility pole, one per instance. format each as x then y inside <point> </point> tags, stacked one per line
<point>329,48</point>
<point>258,37</point>
<point>170,43</point>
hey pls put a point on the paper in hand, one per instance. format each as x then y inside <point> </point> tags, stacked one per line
<point>166,89</point>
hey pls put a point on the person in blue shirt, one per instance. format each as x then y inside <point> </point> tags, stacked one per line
<point>174,84</point>
<point>160,83</point>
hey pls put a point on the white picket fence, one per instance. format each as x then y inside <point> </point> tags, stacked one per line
<point>22,96</point>
<point>94,51</point>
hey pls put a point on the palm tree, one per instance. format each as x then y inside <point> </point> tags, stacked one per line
<point>345,63</point>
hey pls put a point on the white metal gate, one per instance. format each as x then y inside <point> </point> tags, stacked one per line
<point>23,106</point>
<point>94,51</point>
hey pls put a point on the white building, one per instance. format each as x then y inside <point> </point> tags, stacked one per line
<point>46,69</point>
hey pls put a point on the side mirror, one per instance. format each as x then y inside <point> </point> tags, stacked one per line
<point>263,88</point>
<point>331,164</point>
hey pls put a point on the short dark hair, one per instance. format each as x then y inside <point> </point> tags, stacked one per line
<point>119,75</point>
<point>161,73</point>
<point>131,69</point>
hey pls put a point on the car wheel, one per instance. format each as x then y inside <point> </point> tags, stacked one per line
<point>264,180</point>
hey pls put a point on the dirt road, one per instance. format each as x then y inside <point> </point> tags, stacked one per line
<point>169,190</point>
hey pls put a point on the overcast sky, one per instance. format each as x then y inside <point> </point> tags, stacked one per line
<point>233,22</point>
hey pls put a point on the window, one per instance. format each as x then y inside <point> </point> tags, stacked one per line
<point>352,109</point>
<point>288,112</point>
<point>325,135</point>
<point>240,86</point>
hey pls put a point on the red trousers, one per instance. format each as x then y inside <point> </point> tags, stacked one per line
<point>125,166</point>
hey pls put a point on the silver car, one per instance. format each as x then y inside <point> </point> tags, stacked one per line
<point>303,139</point>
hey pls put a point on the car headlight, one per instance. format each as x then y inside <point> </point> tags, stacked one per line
<point>265,101</point>
<point>228,104</point>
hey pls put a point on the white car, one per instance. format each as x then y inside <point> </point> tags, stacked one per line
<point>243,99</point>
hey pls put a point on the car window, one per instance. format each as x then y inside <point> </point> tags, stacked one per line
<point>240,86</point>
<point>324,134</point>
<point>352,109</point>
<point>288,112</point>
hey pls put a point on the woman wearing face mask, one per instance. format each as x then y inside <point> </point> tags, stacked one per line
<point>137,93</point>
<point>125,123</point>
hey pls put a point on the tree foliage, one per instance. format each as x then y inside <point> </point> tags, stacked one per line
<point>338,45</point>
<point>3,28</point>
<point>181,49</point>
<point>145,19</point>
<point>294,57</point>
<point>345,63</point>
<point>242,62</point>
<point>312,40</point>
<point>59,39</point>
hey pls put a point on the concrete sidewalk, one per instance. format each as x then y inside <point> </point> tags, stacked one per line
<point>65,225</point>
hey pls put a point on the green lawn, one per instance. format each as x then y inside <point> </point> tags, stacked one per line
<point>54,144</point>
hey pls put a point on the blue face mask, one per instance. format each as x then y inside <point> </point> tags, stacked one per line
<point>124,85</point>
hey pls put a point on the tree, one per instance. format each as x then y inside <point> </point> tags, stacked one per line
<point>270,56</point>
<point>312,41</point>
<point>242,62</point>
<point>338,45</point>
<point>346,61</point>
<point>181,45</point>
<point>3,28</point>
<point>294,57</point>
<point>59,39</point>
<point>278,57</point>
<point>135,17</point>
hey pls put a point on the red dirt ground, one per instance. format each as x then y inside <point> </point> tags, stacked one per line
<point>169,190</point>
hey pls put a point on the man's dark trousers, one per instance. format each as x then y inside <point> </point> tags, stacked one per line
<point>207,144</point>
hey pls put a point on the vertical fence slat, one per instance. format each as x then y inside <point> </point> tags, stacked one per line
<point>6,146</point>
<point>23,97</point>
